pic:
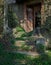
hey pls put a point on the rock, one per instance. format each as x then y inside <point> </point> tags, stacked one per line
<point>40,41</point>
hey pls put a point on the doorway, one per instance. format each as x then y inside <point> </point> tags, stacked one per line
<point>34,15</point>
<point>37,15</point>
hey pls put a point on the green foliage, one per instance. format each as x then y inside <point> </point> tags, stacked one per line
<point>31,38</point>
<point>19,29</point>
<point>40,48</point>
<point>10,58</point>
<point>12,18</point>
<point>1,47</point>
<point>27,34</point>
<point>47,25</point>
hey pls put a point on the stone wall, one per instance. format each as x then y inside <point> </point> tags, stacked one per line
<point>45,10</point>
<point>47,7</point>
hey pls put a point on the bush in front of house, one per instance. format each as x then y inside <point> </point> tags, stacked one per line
<point>13,20</point>
<point>31,38</point>
<point>40,48</point>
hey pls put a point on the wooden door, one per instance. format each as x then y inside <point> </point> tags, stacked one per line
<point>33,12</point>
<point>30,17</point>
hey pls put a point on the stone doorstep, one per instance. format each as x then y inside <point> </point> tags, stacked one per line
<point>18,43</point>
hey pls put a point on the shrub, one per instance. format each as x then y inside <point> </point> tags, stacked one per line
<point>31,38</point>
<point>40,48</point>
<point>13,20</point>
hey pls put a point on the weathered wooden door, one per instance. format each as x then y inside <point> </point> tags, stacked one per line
<point>34,16</point>
<point>30,17</point>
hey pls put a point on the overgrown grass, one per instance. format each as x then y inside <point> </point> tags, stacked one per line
<point>10,58</point>
<point>21,59</point>
<point>23,32</point>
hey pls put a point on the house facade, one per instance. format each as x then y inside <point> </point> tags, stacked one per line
<point>30,13</point>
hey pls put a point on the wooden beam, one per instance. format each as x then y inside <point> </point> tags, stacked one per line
<point>33,2</point>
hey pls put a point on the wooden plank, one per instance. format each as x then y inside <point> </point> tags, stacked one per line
<point>33,2</point>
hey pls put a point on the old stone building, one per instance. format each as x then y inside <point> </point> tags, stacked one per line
<point>30,13</point>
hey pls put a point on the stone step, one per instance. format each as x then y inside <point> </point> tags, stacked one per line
<point>27,53</point>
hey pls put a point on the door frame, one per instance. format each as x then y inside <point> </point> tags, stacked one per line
<point>33,8</point>
<point>37,7</point>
